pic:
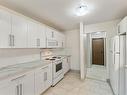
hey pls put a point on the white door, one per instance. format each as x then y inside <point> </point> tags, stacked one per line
<point>19,32</point>
<point>5,29</point>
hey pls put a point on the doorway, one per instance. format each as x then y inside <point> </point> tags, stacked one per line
<point>96,56</point>
<point>98,51</point>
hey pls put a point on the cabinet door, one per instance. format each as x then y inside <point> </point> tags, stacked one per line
<point>63,41</point>
<point>41,36</point>
<point>19,32</point>
<point>8,88</point>
<point>123,25</point>
<point>32,35</point>
<point>66,65</point>
<point>50,33</point>
<point>39,82</point>
<point>5,27</point>
<point>47,77</point>
<point>28,84</point>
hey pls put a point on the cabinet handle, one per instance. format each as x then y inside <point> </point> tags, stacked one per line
<point>62,44</point>
<point>10,40</point>
<point>45,76</point>
<point>21,89</point>
<point>119,29</point>
<point>18,78</point>
<point>56,43</point>
<point>17,90</point>
<point>52,34</point>
<point>13,40</point>
<point>38,42</point>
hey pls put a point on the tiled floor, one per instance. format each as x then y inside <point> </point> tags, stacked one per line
<point>97,72</point>
<point>72,85</point>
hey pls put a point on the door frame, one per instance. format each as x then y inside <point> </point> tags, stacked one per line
<point>104,50</point>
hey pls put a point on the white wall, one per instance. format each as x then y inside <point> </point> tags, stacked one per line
<point>110,28</point>
<point>16,56</point>
<point>72,48</point>
<point>72,41</point>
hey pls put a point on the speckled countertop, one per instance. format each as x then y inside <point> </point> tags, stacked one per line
<point>22,68</point>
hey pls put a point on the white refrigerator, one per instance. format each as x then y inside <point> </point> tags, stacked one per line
<point>122,73</point>
<point>114,64</point>
<point>118,72</point>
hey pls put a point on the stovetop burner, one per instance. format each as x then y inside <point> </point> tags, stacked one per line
<point>54,57</point>
<point>50,59</point>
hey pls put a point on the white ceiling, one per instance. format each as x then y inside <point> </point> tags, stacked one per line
<point>60,15</point>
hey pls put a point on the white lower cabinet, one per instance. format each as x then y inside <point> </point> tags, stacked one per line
<point>7,87</point>
<point>43,79</point>
<point>24,85</point>
<point>66,64</point>
<point>28,84</point>
<point>31,83</point>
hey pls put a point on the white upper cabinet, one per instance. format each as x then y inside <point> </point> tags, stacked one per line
<point>61,40</point>
<point>50,33</point>
<point>36,35</point>
<point>41,36</point>
<point>122,27</point>
<point>19,32</point>
<point>55,39</point>
<point>32,35</point>
<point>5,29</point>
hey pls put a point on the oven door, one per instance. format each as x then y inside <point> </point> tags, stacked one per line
<point>58,68</point>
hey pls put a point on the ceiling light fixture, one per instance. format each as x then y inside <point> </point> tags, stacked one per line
<point>81,9</point>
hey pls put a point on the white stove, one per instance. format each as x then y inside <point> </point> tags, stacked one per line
<point>57,69</point>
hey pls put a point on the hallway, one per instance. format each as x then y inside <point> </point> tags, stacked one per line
<point>97,72</point>
<point>72,85</point>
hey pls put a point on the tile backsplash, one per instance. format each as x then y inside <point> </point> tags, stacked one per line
<point>16,56</point>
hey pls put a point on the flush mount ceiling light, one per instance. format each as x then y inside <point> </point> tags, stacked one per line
<point>81,9</point>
